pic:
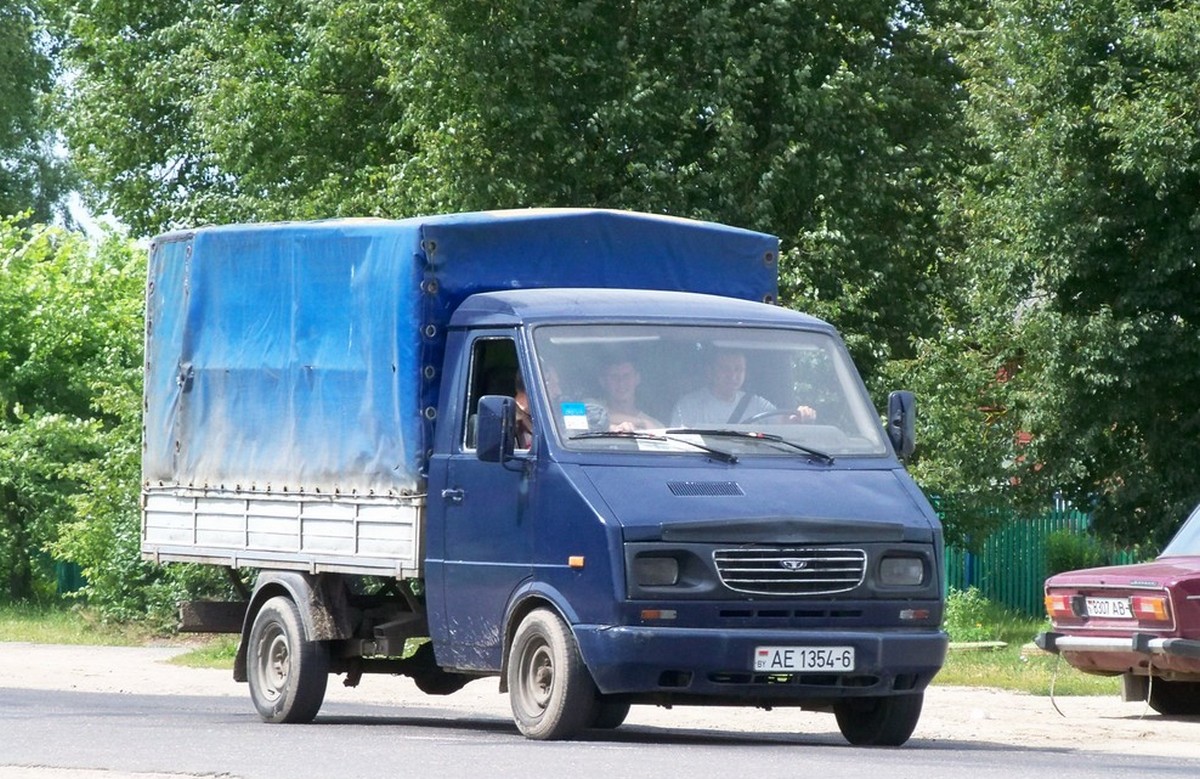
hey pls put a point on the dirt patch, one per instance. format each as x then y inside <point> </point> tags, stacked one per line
<point>959,714</point>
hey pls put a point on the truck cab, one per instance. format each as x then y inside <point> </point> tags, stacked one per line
<point>774,555</point>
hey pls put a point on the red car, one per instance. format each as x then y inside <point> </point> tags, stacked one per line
<point>1141,621</point>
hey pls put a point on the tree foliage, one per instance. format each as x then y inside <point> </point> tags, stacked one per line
<point>32,180</point>
<point>195,111</point>
<point>1082,225</point>
<point>70,422</point>
<point>831,123</point>
<point>68,336</point>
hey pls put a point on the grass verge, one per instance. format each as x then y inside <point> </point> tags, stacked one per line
<point>1022,668</point>
<point>76,625</point>
<point>1018,665</point>
<point>214,652</point>
<point>56,624</point>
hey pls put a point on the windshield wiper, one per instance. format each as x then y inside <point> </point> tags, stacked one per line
<point>815,454</point>
<point>720,454</point>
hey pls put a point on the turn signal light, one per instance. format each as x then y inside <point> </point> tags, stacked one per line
<point>1150,608</point>
<point>1059,606</point>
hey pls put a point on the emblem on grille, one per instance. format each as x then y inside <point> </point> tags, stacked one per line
<point>792,564</point>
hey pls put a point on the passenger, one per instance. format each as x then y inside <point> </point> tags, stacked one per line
<point>554,393</point>
<point>553,385</point>
<point>620,379</point>
<point>524,418</point>
<point>591,417</point>
<point>723,401</point>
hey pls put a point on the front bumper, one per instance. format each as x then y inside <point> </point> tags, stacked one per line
<point>715,665</point>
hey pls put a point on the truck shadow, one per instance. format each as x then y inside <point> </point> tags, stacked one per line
<point>650,735</point>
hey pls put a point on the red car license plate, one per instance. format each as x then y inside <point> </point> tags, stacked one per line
<point>1109,607</point>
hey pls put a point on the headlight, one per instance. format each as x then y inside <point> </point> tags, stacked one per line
<point>656,571</point>
<point>902,571</point>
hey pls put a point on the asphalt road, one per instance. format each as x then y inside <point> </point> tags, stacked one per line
<point>54,733</point>
<point>93,713</point>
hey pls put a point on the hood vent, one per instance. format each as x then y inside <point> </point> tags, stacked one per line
<point>704,489</point>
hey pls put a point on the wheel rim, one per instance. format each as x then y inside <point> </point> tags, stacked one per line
<point>275,663</point>
<point>537,678</point>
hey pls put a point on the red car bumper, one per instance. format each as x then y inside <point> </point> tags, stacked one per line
<point>1124,654</point>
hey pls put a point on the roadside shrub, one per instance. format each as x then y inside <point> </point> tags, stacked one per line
<point>1068,550</point>
<point>969,616</point>
<point>71,331</point>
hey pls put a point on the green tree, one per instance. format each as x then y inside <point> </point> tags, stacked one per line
<point>31,178</point>
<point>831,123</point>
<point>64,337</point>
<point>194,111</point>
<point>1082,223</point>
<point>70,424</point>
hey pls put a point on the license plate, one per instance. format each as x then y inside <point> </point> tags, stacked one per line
<point>787,659</point>
<point>1109,607</point>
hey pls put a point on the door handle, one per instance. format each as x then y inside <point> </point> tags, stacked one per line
<point>454,495</point>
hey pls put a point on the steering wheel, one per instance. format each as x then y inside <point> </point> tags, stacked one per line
<point>768,414</point>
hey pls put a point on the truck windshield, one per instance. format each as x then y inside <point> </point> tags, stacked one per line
<point>745,391</point>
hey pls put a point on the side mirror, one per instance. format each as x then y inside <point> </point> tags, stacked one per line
<point>495,431</point>
<point>901,422</point>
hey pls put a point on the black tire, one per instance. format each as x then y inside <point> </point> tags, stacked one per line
<point>551,692</point>
<point>287,673</point>
<point>1175,699</point>
<point>886,721</point>
<point>609,714</point>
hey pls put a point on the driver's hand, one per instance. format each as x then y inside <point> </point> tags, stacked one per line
<point>805,414</point>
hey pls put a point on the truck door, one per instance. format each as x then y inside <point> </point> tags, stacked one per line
<point>482,511</point>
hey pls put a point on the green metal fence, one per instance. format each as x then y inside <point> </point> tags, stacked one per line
<point>1010,568</point>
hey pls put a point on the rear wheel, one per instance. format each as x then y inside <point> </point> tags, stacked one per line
<point>551,692</point>
<point>1175,698</point>
<point>885,721</point>
<point>287,673</point>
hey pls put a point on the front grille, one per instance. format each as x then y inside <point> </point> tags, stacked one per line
<point>777,571</point>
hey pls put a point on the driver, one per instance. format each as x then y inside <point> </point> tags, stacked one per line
<point>723,401</point>
<point>620,379</point>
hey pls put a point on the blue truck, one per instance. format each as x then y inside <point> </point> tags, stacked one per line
<point>579,450</point>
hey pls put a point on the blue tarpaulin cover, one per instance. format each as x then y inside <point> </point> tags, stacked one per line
<point>306,355</point>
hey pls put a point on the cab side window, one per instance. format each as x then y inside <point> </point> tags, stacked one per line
<point>494,371</point>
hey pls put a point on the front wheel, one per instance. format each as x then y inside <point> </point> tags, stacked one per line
<point>551,692</point>
<point>885,721</point>
<point>286,672</point>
